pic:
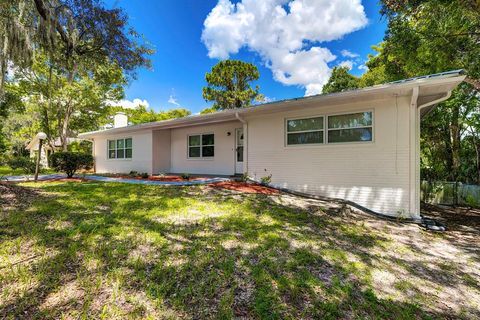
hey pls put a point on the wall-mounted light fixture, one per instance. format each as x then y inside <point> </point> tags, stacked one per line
<point>229,133</point>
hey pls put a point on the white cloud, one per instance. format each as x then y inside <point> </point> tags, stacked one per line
<point>349,54</point>
<point>347,63</point>
<point>174,101</point>
<point>285,33</point>
<point>127,104</point>
<point>362,67</point>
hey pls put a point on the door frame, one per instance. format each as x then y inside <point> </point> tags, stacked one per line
<point>237,163</point>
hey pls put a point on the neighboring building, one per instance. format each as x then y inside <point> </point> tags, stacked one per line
<point>47,149</point>
<point>360,145</point>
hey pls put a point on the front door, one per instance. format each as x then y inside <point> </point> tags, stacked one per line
<point>239,151</point>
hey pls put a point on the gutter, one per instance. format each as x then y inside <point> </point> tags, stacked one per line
<point>245,139</point>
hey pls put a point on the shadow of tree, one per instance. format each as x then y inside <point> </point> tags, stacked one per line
<point>120,250</point>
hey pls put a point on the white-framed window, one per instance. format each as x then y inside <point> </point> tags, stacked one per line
<point>201,145</point>
<point>350,127</point>
<point>305,131</point>
<point>120,148</point>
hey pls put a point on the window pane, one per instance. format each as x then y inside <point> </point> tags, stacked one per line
<point>128,153</point>
<point>111,144</point>
<point>350,120</point>
<point>120,144</point>
<point>239,154</point>
<point>194,140</point>
<point>350,135</point>
<point>305,137</point>
<point>208,139</point>
<point>194,152</point>
<point>120,154</point>
<point>208,151</point>
<point>111,154</point>
<point>305,124</point>
<point>128,143</point>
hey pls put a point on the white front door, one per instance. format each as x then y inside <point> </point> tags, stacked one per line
<point>239,151</point>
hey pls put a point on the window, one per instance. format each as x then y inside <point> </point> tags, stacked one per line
<point>305,131</point>
<point>120,149</point>
<point>354,127</point>
<point>201,146</point>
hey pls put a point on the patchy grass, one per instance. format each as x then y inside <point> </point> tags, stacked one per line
<point>94,250</point>
<point>7,171</point>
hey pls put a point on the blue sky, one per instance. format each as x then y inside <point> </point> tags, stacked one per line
<point>174,28</point>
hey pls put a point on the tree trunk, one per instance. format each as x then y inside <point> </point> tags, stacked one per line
<point>477,151</point>
<point>456,139</point>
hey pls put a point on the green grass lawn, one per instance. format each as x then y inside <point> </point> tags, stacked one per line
<point>103,251</point>
<point>7,171</point>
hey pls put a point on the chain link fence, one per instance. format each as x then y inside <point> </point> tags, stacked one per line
<point>450,193</point>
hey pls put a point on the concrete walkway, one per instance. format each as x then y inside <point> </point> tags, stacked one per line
<point>111,179</point>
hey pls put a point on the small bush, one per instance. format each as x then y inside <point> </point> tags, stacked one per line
<point>133,174</point>
<point>266,179</point>
<point>24,163</point>
<point>185,176</point>
<point>71,162</point>
<point>245,177</point>
<point>144,175</point>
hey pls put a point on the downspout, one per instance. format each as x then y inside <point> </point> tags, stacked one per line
<point>416,140</point>
<point>245,139</point>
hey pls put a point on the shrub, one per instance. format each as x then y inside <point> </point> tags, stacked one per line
<point>245,177</point>
<point>144,175</point>
<point>24,163</point>
<point>266,179</point>
<point>70,162</point>
<point>133,173</point>
<point>185,176</point>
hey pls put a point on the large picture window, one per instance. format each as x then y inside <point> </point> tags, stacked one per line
<point>120,148</point>
<point>201,146</point>
<point>305,131</point>
<point>353,127</point>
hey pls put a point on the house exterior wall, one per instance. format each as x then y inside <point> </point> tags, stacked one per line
<point>372,174</point>
<point>223,163</point>
<point>141,160</point>
<point>161,151</point>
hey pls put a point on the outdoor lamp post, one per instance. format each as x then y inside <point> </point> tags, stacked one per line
<point>40,136</point>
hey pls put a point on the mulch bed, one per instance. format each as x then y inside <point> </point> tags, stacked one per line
<point>245,187</point>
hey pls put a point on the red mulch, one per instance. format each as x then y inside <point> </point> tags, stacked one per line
<point>245,187</point>
<point>175,178</point>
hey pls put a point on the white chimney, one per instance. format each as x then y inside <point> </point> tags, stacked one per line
<point>120,120</point>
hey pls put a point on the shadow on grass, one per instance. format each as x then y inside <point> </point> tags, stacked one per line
<point>174,252</point>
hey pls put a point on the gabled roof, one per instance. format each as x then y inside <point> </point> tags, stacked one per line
<point>429,86</point>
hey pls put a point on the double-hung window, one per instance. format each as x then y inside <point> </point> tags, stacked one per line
<point>201,146</point>
<point>305,131</point>
<point>353,127</point>
<point>120,148</point>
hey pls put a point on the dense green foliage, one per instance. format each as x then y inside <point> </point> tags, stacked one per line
<point>340,80</point>
<point>426,37</point>
<point>141,114</point>
<point>26,164</point>
<point>228,85</point>
<point>71,162</point>
<point>68,59</point>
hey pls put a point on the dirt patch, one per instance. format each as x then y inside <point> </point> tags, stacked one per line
<point>244,187</point>
<point>456,218</point>
<point>14,197</point>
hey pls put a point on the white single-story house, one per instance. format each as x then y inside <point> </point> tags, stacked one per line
<point>360,145</point>
<point>47,148</point>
